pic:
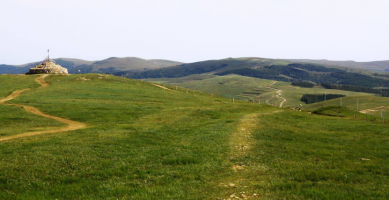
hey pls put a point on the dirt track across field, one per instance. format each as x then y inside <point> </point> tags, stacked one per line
<point>373,109</point>
<point>278,93</point>
<point>163,87</point>
<point>72,125</point>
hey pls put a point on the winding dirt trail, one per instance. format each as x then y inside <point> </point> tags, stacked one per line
<point>72,125</point>
<point>279,96</point>
<point>278,93</point>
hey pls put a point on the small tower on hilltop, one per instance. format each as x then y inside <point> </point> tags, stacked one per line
<point>48,66</point>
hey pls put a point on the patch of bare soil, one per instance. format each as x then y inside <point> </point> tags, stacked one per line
<point>72,125</point>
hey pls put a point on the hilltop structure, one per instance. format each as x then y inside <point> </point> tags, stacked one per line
<point>48,66</point>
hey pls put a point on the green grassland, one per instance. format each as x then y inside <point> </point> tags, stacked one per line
<point>364,102</point>
<point>10,83</point>
<point>293,94</point>
<point>248,88</point>
<point>144,142</point>
<point>14,120</point>
<point>315,157</point>
<point>230,86</point>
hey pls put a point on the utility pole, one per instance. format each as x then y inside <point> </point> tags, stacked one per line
<point>325,96</point>
<point>357,104</point>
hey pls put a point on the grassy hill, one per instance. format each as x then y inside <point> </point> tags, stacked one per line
<point>144,142</point>
<point>375,65</point>
<point>14,120</point>
<point>269,69</point>
<point>251,89</point>
<point>112,65</point>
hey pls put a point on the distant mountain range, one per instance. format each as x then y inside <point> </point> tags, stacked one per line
<point>132,64</point>
<point>273,69</point>
<point>110,65</point>
<point>374,66</point>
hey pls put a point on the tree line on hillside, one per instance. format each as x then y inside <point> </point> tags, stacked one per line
<point>255,73</point>
<point>316,68</point>
<point>295,72</point>
<point>313,98</point>
<point>384,93</point>
<point>300,72</point>
<point>174,72</point>
<point>381,75</point>
<point>303,84</point>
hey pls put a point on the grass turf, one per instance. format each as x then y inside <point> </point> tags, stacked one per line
<point>144,142</point>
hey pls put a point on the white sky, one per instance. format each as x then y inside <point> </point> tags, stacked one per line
<point>194,30</point>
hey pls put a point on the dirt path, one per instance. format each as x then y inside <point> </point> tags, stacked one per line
<point>160,86</point>
<point>278,94</point>
<point>12,96</point>
<point>241,143</point>
<point>373,109</point>
<point>72,125</point>
<point>41,80</point>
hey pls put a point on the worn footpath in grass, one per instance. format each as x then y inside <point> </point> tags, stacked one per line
<point>14,120</point>
<point>10,83</point>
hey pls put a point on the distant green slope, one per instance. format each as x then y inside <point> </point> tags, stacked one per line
<point>266,69</point>
<point>110,65</point>
<point>248,88</point>
<point>114,64</point>
<point>374,65</point>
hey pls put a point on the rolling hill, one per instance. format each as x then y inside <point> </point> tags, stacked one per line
<point>142,141</point>
<point>374,66</point>
<point>269,69</point>
<point>251,89</point>
<point>110,65</point>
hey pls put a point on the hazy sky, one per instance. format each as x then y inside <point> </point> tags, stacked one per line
<point>194,30</point>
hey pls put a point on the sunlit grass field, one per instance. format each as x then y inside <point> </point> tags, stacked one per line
<point>14,120</point>
<point>251,89</point>
<point>293,94</point>
<point>144,142</point>
<point>10,83</point>
<point>230,86</point>
<point>364,102</point>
